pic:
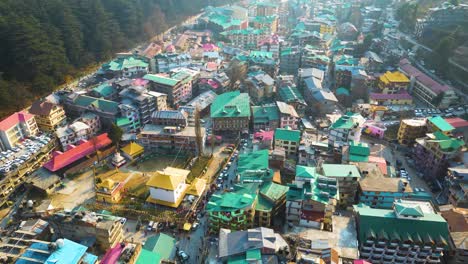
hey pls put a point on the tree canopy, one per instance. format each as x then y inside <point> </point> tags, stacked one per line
<point>47,42</point>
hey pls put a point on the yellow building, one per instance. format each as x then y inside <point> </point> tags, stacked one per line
<point>197,187</point>
<point>48,115</point>
<point>411,129</point>
<point>393,82</point>
<point>168,187</point>
<point>132,150</point>
<point>109,191</point>
<point>327,28</point>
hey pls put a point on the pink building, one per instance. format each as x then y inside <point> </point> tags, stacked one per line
<point>374,129</point>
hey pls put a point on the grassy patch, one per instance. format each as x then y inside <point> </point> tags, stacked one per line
<point>198,167</point>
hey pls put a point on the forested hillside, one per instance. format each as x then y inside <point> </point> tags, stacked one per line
<point>45,42</point>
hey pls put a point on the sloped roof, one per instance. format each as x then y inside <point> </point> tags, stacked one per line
<point>41,107</point>
<point>132,149</point>
<point>286,109</point>
<point>231,104</point>
<point>60,160</point>
<point>287,134</point>
<point>161,244</point>
<point>403,209</point>
<point>14,119</point>
<point>441,123</point>
<point>265,113</point>
<point>169,178</point>
<point>273,191</point>
<point>427,81</point>
<point>340,170</point>
<point>102,104</point>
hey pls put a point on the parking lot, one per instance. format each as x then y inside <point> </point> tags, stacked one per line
<point>13,159</point>
<point>449,112</point>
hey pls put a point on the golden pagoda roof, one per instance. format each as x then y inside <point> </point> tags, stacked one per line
<point>133,149</point>
<point>168,179</point>
<point>197,187</point>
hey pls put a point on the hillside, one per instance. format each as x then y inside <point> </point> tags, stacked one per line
<point>45,43</point>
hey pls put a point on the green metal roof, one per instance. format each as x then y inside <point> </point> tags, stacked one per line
<point>104,89</point>
<point>101,104</point>
<point>340,170</point>
<point>242,197</point>
<point>253,254</point>
<point>161,244</point>
<point>147,256</point>
<point>231,104</point>
<point>157,78</point>
<point>287,135</point>
<point>384,222</point>
<point>306,172</point>
<point>273,191</point>
<point>290,94</point>
<point>447,143</point>
<point>247,31</point>
<point>263,54</point>
<point>344,122</point>
<point>402,209</point>
<point>359,152</point>
<point>125,63</point>
<point>265,113</point>
<point>321,188</point>
<point>342,91</point>
<point>263,204</point>
<point>441,124</point>
<point>238,259</point>
<point>254,166</point>
<point>123,121</point>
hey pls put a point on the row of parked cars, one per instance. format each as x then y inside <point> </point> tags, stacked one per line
<point>449,112</point>
<point>13,158</point>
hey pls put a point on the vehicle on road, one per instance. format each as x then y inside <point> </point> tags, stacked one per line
<point>182,255</point>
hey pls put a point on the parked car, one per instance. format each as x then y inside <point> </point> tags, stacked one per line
<point>182,255</point>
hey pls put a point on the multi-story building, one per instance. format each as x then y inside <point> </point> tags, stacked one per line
<point>426,89</point>
<point>411,231</point>
<point>231,112</point>
<point>410,130</point>
<point>47,114</point>
<point>271,201</point>
<point>177,85</point>
<point>401,98</point>
<point>290,94</point>
<point>311,198</point>
<point>270,44</point>
<point>83,128</point>
<point>76,104</point>
<point>392,82</point>
<point>265,9</point>
<point>440,19</point>
<point>129,120</point>
<point>347,176</point>
<point>254,167</point>
<point>166,62</point>
<point>378,191</point>
<point>16,127</point>
<point>457,180</point>
<point>347,128</point>
<point>268,23</point>
<point>245,38</point>
<point>290,60</point>
<point>142,99</point>
<point>232,210</point>
<point>109,191</point>
<point>167,187</point>
<point>126,65</point>
<point>80,225</point>
<point>260,85</point>
<point>265,117</point>
<point>253,245</point>
<point>170,138</point>
<point>432,154</point>
<point>288,115</point>
<point>306,73</point>
<point>287,139</point>
<point>437,123</point>
<point>170,118</point>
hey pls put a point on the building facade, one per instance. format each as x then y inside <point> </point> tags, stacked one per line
<point>16,127</point>
<point>48,115</point>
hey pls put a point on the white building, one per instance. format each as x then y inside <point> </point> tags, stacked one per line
<point>168,187</point>
<point>347,128</point>
<point>81,129</point>
<point>16,127</point>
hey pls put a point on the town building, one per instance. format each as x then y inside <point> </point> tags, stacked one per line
<point>83,128</point>
<point>253,167</point>
<point>410,231</point>
<point>288,115</point>
<point>290,60</point>
<point>437,123</point>
<point>48,115</point>
<point>129,121</point>
<point>170,118</point>
<point>271,201</point>
<point>393,82</point>
<point>457,180</point>
<point>177,85</point>
<point>401,98</point>
<point>106,91</point>
<point>456,219</point>
<point>202,103</point>
<point>265,117</point>
<point>245,38</point>
<point>143,100</point>
<point>460,127</point>
<point>109,191</point>
<point>166,62</point>
<point>263,139</point>
<point>260,85</point>
<point>76,104</point>
<point>257,245</point>
<point>432,154</point>
<point>291,95</point>
<point>168,187</point>
<point>231,112</point>
<point>83,224</point>
<point>270,44</point>
<point>347,128</point>
<point>159,248</point>
<point>124,252</point>
<point>347,177</point>
<point>267,23</point>
<point>378,191</point>
<point>231,210</point>
<point>170,138</point>
<point>16,127</point>
<point>426,89</point>
<point>126,65</point>
<point>410,130</point>
<point>288,139</point>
